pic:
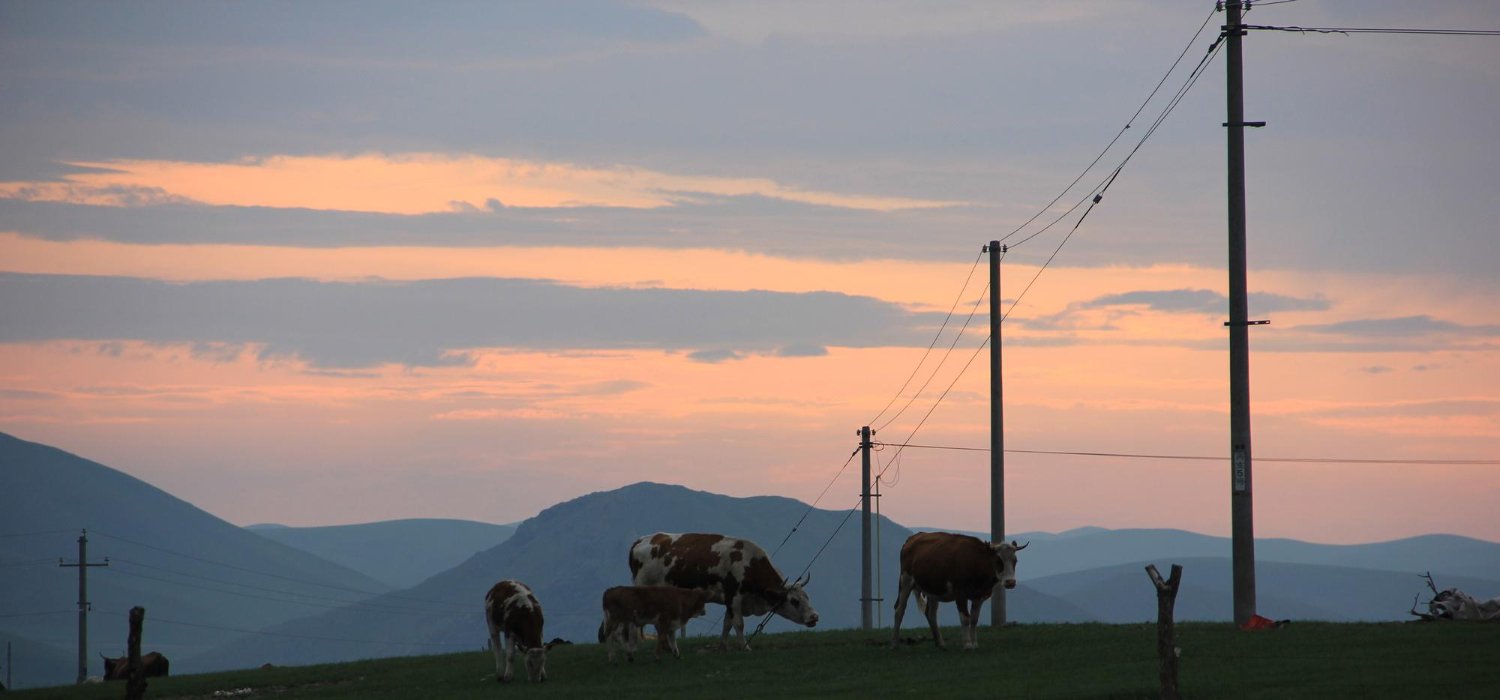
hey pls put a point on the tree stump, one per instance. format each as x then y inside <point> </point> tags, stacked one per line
<point>1166,631</point>
<point>135,682</point>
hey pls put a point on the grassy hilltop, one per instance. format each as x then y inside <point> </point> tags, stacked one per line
<point>1305,660</point>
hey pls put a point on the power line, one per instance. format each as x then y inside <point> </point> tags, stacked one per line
<point>814,504</point>
<point>1372,30</point>
<point>937,402</point>
<point>935,338</point>
<point>1119,134</point>
<point>942,361</point>
<point>1130,455</point>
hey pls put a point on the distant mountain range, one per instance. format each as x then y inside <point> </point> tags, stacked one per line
<point>325,594</point>
<point>398,553</point>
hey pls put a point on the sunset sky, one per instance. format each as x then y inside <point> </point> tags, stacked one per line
<point>338,262</point>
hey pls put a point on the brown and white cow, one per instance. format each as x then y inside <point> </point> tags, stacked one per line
<point>735,573</point>
<point>153,665</point>
<point>510,608</point>
<point>628,608</point>
<point>943,567</point>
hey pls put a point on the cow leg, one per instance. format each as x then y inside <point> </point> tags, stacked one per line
<point>632,636</point>
<point>906,584</point>
<point>932,611</point>
<point>728,625</point>
<point>510,651</point>
<point>670,634</point>
<point>495,647</point>
<point>965,619</point>
<point>739,630</point>
<point>974,624</point>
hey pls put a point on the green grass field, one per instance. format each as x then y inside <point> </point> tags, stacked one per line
<point>1304,660</point>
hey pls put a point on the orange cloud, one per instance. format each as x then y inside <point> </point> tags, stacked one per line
<point>411,183</point>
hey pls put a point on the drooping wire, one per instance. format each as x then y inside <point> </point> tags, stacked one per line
<point>959,336</point>
<point>1118,134</point>
<point>935,338</point>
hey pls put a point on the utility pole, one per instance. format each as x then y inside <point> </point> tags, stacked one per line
<point>83,602</point>
<point>865,598</point>
<point>1242,513</point>
<point>997,429</point>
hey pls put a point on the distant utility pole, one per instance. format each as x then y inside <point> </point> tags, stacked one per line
<point>1242,513</point>
<point>865,599</point>
<point>83,602</point>
<point>997,429</point>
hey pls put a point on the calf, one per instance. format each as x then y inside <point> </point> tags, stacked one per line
<point>628,608</point>
<point>511,609</point>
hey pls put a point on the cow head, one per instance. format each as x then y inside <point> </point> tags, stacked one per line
<point>1005,561</point>
<point>109,666</point>
<point>536,663</point>
<point>796,606</point>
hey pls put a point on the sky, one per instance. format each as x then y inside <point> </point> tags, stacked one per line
<point>339,262</point>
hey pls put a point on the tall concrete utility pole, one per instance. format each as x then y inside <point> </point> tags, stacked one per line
<point>865,599</point>
<point>1242,513</point>
<point>83,602</point>
<point>997,429</point>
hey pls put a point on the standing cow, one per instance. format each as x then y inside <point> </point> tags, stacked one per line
<point>735,573</point>
<point>628,608</point>
<point>153,665</point>
<point>512,609</point>
<point>943,567</point>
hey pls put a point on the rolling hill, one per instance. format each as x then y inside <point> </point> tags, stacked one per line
<point>398,553</point>
<point>202,580</point>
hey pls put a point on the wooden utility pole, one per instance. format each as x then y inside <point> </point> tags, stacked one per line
<point>865,598</point>
<point>1242,512</point>
<point>997,429</point>
<point>83,602</point>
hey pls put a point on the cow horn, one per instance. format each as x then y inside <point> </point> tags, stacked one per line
<point>1020,547</point>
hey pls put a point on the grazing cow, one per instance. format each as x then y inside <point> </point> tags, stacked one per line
<point>152,666</point>
<point>628,608</point>
<point>511,608</point>
<point>733,572</point>
<point>944,567</point>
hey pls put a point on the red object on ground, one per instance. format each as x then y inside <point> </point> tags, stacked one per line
<point>1256,622</point>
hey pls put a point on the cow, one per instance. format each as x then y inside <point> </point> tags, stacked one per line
<point>734,572</point>
<point>628,608</point>
<point>942,567</point>
<point>512,609</point>
<point>153,665</point>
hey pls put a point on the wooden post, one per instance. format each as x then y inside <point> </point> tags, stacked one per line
<point>865,599</point>
<point>135,681</point>
<point>1166,632</point>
